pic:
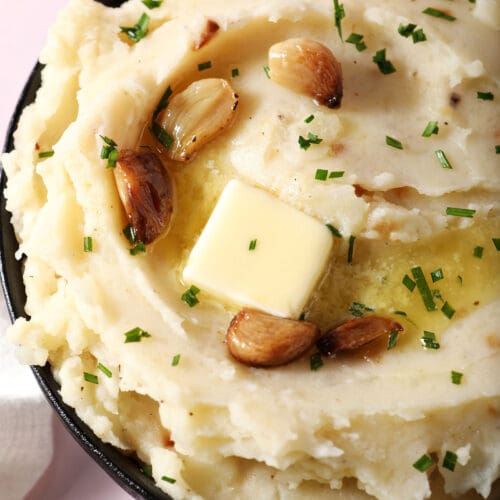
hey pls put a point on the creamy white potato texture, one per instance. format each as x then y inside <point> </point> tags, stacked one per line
<point>209,426</point>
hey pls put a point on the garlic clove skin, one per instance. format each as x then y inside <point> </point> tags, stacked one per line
<point>197,115</point>
<point>307,67</point>
<point>146,193</point>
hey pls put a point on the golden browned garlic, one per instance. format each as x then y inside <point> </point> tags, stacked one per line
<point>307,67</point>
<point>197,115</point>
<point>146,192</point>
<point>259,339</point>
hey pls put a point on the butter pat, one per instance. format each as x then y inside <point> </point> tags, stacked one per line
<point>279,274</point>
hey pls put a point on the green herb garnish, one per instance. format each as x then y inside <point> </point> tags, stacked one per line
<point>456,377</point>
<point>442,159</point>
<point>431,128</point>
<point>438,13</point>
<point>390,141</point>
<point>252,244</point>
<point>497,149</point>
<point>267,69</point>
<point>87,244</point>
<point>189,296</point>
<point>176,359</point>
<point>408,283</point>
<point>109,151</point>
<point>423,288</point>
<point>336,174</point>
<point>357,40</point>
<point>168,479</point>
<point>485,96</point>
<point>315,361</point>
<point>204,65</point>
<point>447,310</point>
<point>152,4</point>
<point>135,335</point>
<point>393,338</point>
<point>321,174</point>
<point>104,370</point>
<point>437,275</point>
<point>450,460</point>
<point>496,242</point>
<point>334,231</point>
<point>309,119</point>
<point>339,14</point>
<point>311,139</point>
<point>89,377</point>
<point>130,233</point>
<point>386,67</point>
<point>45,154</point>
<point>162,135</point>
<point>140,29</point>
<point>418,36</point>
<point>407,30</point>
<point>460,212</point>
<point>429,340</point>
<point>350,251</point>
<point>423,463</point>
<point>478,252</point>
<point>163,103</point>
<point>357,309</point>
<point>139,247</point>
<point>235,72</point>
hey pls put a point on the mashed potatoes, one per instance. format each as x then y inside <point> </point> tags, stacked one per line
<point>209,426</point>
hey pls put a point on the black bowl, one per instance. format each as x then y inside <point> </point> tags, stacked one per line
<point>125,470</point>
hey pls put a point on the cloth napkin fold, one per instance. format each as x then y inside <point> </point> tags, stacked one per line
<point>26,431</point>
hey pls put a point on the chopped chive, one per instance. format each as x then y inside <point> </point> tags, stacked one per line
<point>497,149</point>
<point>189,296</point>
<point>87,244</point>
<point>450,460</point>
<point>109,151</point>
<point>437,275</point>
<point>152,4</point>
<point>460,212</point>
<point>478,252</point>
<point>496,242</point>
<point>447,310</point>
<point>252,244</point>
<point>335,174</point>
<point>407,30</point>
<point>139,247</point>
<point>104,370</point>
<point>350,251</point>
<point>408,283</point>
<point>176,359</point>
<point>267,69</point>
<point>438,13</point>
<point>315,361</point>
<point>147,469</point>
<point>311,139</point>
<point>428,340</point>
<point>431,128</point>
<point>423,463</point>
<point>386,67</point>
<point>168,479</point>
<point>130,233</point>
<point>45,154</point>
<point>135,335</point>
<point>418,36</point>
<point>140,29</point>
<point>162,135</point>
<point>456,377</point>
<point>112,158</point>
<point>204,65</point>
<point>393,338</point>
<point>339,15</point>
<point>89,377</point>
<point>309,119</point>
<point>400,313</point>
<point>390,141</point>
<point>235,72</point>
<point>442,159</point>
<point>334,231</point>
<point>485,96</point>
<point>108,141</point>
<point>357,309</point>
<point>163,103</point>
<point>423,288</point>
<point>321,174</point>
<point>357,40</point>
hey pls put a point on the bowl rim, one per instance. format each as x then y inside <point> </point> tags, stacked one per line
<point>123,469</point>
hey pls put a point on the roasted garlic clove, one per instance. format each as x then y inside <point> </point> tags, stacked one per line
<point>146,192</point>
<point>307,67</point>
<point>259,339</point>
<point>355,333</point>
<point>197,115</point>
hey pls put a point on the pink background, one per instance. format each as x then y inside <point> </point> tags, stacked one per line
<point>72,475</point>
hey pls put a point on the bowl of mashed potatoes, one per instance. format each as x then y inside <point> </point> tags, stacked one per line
<point>260,244</point>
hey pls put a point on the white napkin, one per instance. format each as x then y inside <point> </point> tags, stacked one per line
<point>26,440</point>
